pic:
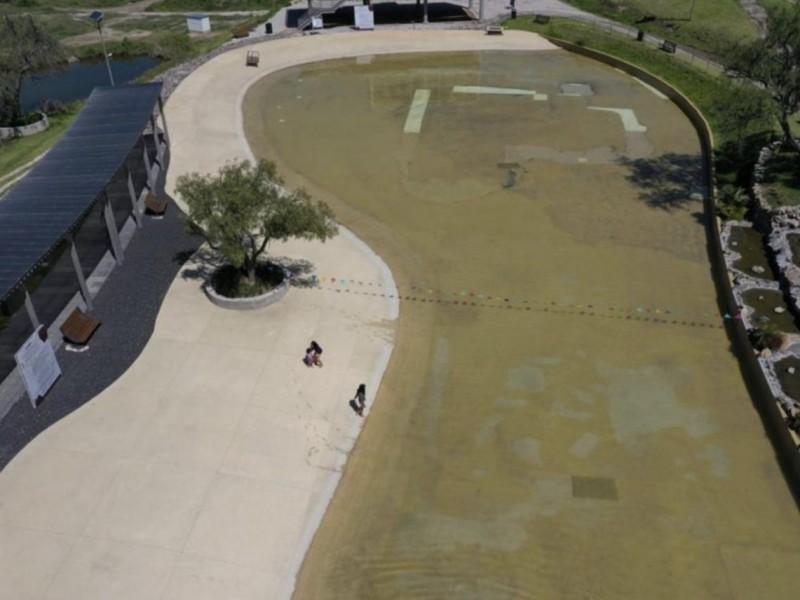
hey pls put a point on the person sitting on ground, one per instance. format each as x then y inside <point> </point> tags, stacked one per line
<point>317,352</point>
<point>309,357</point>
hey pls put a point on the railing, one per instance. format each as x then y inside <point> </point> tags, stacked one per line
<point>317,8</point>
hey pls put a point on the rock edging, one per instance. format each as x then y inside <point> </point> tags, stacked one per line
<point>252,303</point>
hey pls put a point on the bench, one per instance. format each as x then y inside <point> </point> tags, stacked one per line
<point>154,205</point>
<point>252,58</point>
<point>541,19</point>
<point>668,46</point>
<point>78,327</point>
<point>494,30</point>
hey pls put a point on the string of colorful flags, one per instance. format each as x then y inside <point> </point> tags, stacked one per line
<point>416,293</point>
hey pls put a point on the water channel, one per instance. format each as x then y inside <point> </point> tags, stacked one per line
<point>562,417</point>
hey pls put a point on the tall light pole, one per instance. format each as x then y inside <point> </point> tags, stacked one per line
<point>97,17</point>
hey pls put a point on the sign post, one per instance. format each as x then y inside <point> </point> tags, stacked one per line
<point>38,365</point>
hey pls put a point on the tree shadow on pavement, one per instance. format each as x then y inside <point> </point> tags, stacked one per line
<point>667,181</point>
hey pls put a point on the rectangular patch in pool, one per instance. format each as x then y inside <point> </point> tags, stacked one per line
<point>595,488</point>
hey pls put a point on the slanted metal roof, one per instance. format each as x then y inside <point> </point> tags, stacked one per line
<point>51,200</point>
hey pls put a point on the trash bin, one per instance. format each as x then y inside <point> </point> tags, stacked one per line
<point>513,13</point>
<point>268,28</point>
<point>640,36</point>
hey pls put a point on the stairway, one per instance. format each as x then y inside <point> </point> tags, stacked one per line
<point>317,8</point>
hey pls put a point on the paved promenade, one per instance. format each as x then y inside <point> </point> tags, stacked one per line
<point>204,470</point>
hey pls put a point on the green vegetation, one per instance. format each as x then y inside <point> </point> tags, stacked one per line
<point>782,180</point>
<point>733,202</point>
<point>714,26</point>
<point>18,152</point>
<point>217,5</point>
<point>766,336</point>
<point>25,49</point>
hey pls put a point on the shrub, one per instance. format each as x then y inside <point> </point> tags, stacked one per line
<point>732,203</point>
<point>172,45</point>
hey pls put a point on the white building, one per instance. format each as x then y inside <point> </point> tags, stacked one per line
<point>198,23</point>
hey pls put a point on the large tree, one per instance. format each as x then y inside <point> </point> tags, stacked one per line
<point>773,62</point>
<point>25,49</point>
<point>245,207</point>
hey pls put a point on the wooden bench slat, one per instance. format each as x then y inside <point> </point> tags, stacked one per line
<point>78,328</point>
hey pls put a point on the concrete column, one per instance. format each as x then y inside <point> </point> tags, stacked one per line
<point>148,167</point>
<point>116,245</point>
<point>425,11</point>
<point>470,4</point>
<point>154,127</point>
<point>163,120</point>
<point>481,10</point>
<point>137,213</point>
<point>30,310</point>
<point>87,297</point>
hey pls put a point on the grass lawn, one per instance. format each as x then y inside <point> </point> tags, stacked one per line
<point>20,151</point>
<point>714,24</point>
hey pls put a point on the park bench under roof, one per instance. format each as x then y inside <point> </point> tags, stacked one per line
<point>47,205</point>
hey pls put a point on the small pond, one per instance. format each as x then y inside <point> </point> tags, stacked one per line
<point>790,382</point>
<point>794,246</point>
<point>78,81</point>
<point>750,244</point>
<point>765,302</point>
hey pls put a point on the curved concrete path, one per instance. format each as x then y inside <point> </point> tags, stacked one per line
<point>204,471</point>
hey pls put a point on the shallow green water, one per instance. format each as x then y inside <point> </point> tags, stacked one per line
<point>593,440</point>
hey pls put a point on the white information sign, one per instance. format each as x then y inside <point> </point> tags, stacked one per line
<point>365,19</point>
<point>316,22</point>
<point>37,364</point>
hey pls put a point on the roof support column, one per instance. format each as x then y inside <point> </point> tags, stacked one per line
<point>116,245</point>
<point>87,297</point>
<point>137,213</point>
<point>30,310</point>
<point>159,148</point>
<point>148,167</point>
<point>481,12</point>
<point>163,119</point>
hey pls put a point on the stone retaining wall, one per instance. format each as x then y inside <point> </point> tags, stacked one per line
<point>10,133</point>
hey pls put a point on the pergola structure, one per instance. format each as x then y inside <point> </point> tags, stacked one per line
<point>72,208</point>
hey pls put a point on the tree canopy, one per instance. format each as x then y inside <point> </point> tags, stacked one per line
<point>773,62</point>
<point>244,207</point>
<point>25,49</point>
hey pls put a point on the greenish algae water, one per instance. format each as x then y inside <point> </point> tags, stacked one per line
<point>584,433</point>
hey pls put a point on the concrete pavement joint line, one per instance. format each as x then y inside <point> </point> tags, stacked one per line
<point>416,112</point>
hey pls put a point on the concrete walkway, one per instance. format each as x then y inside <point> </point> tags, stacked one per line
<point>204,470</point>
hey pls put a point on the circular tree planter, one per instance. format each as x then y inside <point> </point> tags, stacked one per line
<point>10,133</point>
<point>250,303</point>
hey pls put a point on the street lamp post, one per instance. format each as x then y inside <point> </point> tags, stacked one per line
<point>97,17</point>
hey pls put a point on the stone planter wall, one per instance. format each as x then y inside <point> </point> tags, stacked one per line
<point>9,133</point>
<point>248,303</point>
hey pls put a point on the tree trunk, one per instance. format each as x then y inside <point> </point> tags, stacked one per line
<point>16,105</point>
<point>250,270</point>
<point>788,135</point>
